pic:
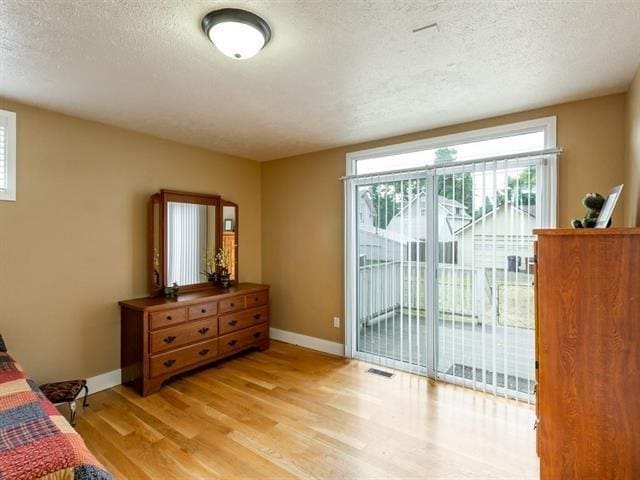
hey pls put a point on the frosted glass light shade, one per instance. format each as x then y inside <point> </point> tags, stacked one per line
<point>236,40</point>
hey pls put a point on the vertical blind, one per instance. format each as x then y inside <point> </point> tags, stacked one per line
<point>484,287</point>
<point>3,153</point>
<point>186,241</point>
<point>444,282</point>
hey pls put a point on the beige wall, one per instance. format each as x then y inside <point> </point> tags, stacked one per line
<point>302,206</point>
<point>632,185</point>
<point>75,241</point>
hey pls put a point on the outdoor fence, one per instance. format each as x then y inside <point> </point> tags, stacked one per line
<point>465,294</point>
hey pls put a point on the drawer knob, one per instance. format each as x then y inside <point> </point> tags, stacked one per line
<point>169,362</point>
<point>232,304</point>
<point>203,352</point>
<point>203,330</point>
<point>232,342</point>
<point>169,339</point>
<point>169,317</point>
<point>257,334</point>
<point>204,310</point>
<point>257,316</point>
<point>233,322</point>
<point>257,299</point>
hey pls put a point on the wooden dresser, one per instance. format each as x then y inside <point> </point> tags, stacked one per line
<point>588,353</point>
<point>163,337</point>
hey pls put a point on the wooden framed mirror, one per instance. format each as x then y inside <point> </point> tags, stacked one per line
<point>186,230</point>
<point>229,232</point>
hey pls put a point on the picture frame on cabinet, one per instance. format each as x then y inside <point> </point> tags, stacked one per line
<point>609,205</point>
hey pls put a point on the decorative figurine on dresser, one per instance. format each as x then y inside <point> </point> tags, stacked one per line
<point>162,336</point>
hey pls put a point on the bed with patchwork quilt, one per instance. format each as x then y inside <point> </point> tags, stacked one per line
<point>36,441</point>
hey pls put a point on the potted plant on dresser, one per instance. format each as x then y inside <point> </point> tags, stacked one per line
<point>222,262</point>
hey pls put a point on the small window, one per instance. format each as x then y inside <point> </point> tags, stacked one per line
<point>7,155</point>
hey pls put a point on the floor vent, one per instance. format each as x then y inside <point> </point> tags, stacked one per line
<point>382,373</point>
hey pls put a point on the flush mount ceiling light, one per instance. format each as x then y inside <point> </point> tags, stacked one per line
<point>236,33</point>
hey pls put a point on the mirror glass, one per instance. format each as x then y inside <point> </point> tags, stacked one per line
<point>191,242</point>
<point>229,242</point>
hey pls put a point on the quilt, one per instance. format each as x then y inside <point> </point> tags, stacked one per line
<point>36,441</point>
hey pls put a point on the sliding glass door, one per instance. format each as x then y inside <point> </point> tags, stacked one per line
<point>440,261</point>
<point>485,316</point>
<point>392,272</point>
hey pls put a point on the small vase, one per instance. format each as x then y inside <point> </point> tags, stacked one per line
<point>223,280</point>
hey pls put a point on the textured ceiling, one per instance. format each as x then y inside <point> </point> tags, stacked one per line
<point>335,72</point>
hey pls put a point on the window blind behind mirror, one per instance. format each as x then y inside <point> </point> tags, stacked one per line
<point>3,154</point>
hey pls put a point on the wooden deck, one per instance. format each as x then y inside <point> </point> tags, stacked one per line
<point>507,350</point>
<point>295,413</point>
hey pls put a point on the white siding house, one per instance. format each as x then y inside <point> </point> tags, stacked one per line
<point>411,221</point>
<point>376,244</point>
<point>365,209</point>
<point>379,245</point>
<point>511,226</point>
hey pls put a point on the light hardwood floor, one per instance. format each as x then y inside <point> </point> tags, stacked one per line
<point>290,412</point>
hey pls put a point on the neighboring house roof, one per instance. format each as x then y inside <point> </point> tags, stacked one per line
<point>366,197</point>
<point>387,234</point>
<point>442,201</point>
<point>526,209</point>
<point>530,209</point>
<point>448,202</point>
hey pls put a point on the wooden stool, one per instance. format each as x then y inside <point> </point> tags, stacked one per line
<point>66,392</point>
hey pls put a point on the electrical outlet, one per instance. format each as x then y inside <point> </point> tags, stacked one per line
<point>336,322</point>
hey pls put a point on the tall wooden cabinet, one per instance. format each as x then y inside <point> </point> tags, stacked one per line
<point>588,353</point>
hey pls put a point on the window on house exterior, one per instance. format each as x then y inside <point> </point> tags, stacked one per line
<point>7,155</point>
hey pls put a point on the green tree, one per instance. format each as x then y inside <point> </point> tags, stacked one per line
<point>383,198</point>
<point>455,186</point>
<point>445,155</point>
<point>519,190</point>
<point>522,189</point>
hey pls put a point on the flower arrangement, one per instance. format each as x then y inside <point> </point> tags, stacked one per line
<point>156,267</point>
<point>209,260</point>
<point>222,260</point>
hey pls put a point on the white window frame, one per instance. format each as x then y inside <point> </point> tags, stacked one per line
<point>547,190</point>
<point>9,119</point>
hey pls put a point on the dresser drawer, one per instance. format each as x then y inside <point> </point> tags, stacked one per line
<point>244,338</point>
<point>179,335</point>
<point>247,318</point>
<point>166,318</point>
<point>258,298</point>
<point>231,304</point>
<point>183,357</point>
<point>203,310</point>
